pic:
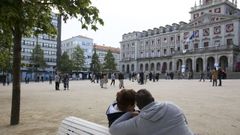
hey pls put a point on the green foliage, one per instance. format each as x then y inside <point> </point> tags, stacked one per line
<point>5,48</point>
<point>5,60</point>
<point>109,62</point>
<point>37,59</point>
<point>95,64</point>
<point>66,65</point>
<point>78,59</point>
<point>20,18</point>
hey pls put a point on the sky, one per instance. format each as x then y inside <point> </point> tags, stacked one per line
<point>124,16</point>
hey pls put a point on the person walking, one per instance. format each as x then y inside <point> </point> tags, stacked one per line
<point>113,77</point>
<point>57,81</point>
<point>101,80</point>
<point>121,78</point>
<point>155,118</point>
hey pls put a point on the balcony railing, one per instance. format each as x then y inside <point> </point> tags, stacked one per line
<point>192,51</point>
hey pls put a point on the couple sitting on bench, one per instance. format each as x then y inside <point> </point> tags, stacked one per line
<point>155,118</point>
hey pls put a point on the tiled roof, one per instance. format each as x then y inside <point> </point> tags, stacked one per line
<point>106,48</point>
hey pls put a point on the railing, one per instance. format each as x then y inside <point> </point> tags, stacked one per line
<point>213,48</point>
<point>196,50</point>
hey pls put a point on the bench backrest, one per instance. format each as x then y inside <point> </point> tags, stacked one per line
<point>76,126</point>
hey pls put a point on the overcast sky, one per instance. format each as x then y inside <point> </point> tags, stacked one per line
<point>124,16</point>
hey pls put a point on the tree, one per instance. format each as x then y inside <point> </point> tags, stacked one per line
<point>66,65</point>
<point>5,49</point>
<point>78,58</point>
<point>95,64</point>
<point>109,62</point>
<point>20,17</point>
<point>37,59</point>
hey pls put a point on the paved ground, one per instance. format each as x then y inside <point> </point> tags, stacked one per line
<point>209,110</point>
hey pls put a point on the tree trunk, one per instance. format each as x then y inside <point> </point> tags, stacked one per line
<point>15,111</point>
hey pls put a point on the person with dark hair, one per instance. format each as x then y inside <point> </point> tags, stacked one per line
<point>155,118</point>
<point>121,78</point>
<point>220,76</point>
<point>125,102</point>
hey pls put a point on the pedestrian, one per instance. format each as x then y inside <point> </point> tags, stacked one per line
<point>202,76</point>
<point>101,80</point>
<point>125,101</point>
<point>220,76</point>
<point>214,74</point>
<point>121,78</point>
<point>66,82</point>
<point>57,82</point>
<point>4,79</point>
<point>50,79</point>
<point>113,77</point>
<point>155,118</point>
<point>8,79</point>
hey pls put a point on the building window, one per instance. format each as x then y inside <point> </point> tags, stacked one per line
<point>217,30</point>
<point>195,45</point>
<point>172,50</point>
<point>206,44</point>
<point>178,38</point>
<point>217,10</point>
<point>229,42</point>
<point>178,48</point>
<point>229,27</point>
<point>217,43</point>
<point>196,33</point>
<point>165,39</point>
<point>165,51</point>
<point>206,32</point>
<point>158,41</point>
<point>185,47</point>
<point>159,53</point>
<point>172,38</point>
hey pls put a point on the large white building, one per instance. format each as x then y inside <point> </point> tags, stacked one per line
<point>85,43</point>
<point>102,50</point>
<point>210,39</point>
<point>48,45</point>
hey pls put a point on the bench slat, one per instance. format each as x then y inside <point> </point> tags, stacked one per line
<point>76,126</point>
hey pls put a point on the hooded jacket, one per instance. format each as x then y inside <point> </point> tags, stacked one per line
<point>154,119</point>
<point>113,113</point>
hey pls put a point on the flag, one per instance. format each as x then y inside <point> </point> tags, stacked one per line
<point>189,39</point>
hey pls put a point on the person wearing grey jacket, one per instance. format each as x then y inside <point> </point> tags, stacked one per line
<point>155,118</point>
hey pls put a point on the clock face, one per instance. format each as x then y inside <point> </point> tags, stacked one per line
<point>229,27</point>
<point>206,32</point>
<point>217,30</point>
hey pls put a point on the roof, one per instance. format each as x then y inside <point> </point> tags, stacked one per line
<point>106,48</point>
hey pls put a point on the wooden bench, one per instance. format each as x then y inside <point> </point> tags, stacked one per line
<point>76,126</point>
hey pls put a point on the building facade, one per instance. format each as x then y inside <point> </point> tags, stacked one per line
<point>48,45</point>
<point>85,43</point>
<point>210,39</point>
<point>102,50</point>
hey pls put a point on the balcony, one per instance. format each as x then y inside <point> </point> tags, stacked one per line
<point>209,49</point>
